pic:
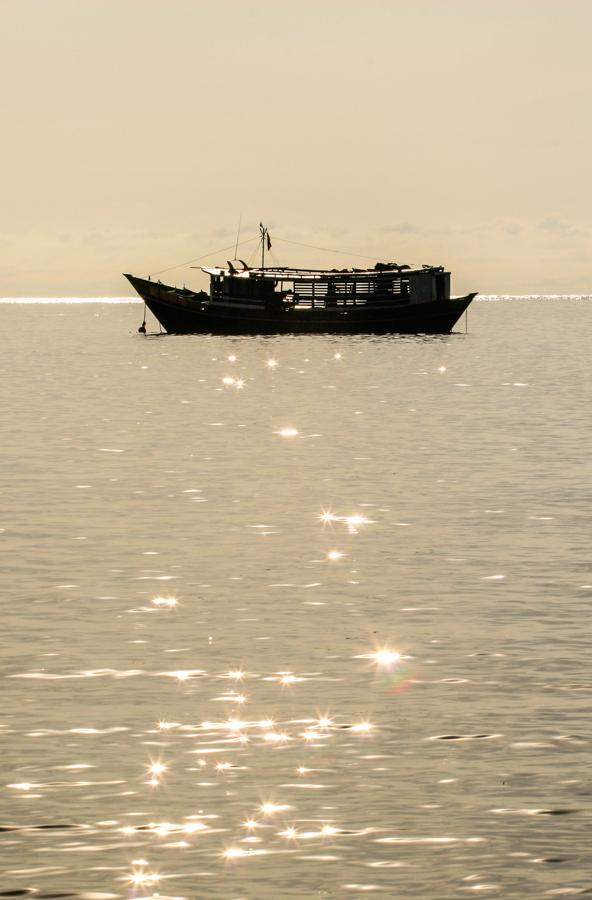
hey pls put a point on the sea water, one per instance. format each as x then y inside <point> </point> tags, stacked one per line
<point>295,616</point>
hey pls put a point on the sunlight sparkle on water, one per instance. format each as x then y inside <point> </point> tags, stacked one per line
<point>166,726</point>
<point>181,676</point>
<point>234,853</point>
<point>287,432</point>
<point>235,725</point>
<point>143,879</point>
<point>386,657</point>
<point>311,735</point>
<point>270,809</point>
<point>191,827</point>
<point>362,727</point>
<point>275,737</point>
<point>357,519</point>
<point>271,363</point>
<point>353,521</point>
<point>334,554</point>
<point>165,601</point>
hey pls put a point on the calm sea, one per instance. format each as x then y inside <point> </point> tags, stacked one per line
<point>297,616</point>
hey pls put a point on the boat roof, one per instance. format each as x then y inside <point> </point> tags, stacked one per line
<point>279,273</point>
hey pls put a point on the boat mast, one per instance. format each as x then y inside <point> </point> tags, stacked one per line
<point>240,219</point>
<point>264,237</point>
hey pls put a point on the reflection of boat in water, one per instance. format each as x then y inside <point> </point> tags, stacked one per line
<point>277,300</point>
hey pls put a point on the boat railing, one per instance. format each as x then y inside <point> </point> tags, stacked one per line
<point>331,294</point>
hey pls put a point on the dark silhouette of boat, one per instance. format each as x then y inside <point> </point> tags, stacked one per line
<point>277,300</point>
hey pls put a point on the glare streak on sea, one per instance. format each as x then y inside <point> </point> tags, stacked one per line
<point>295,616</point>
<point>58,301</point>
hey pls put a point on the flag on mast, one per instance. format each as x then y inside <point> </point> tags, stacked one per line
<point>265,235</point>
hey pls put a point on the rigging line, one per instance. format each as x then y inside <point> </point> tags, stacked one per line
<point>328,249</point>
<point>275,259</point>
<point>205,255</point>
<point>252,256</point>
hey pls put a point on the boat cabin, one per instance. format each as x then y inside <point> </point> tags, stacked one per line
<point>276,288</point>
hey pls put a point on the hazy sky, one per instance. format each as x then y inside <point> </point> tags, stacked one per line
<point>455,132</point>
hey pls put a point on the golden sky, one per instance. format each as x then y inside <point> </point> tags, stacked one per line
<point>136,132</point>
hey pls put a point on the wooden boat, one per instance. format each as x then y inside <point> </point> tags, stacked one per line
<point>278,300</point>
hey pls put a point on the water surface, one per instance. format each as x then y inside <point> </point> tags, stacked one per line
<point>295,616</point>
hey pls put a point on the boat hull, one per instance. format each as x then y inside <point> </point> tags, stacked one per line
<point>181,311</point>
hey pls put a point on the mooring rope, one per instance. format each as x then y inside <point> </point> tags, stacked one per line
<point>142,328</point>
